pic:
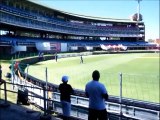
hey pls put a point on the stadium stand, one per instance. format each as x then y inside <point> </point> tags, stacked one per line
<point>24,23</point>
<point>64,27</point>
<point>39,21</point>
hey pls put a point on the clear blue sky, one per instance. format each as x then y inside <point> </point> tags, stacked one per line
<point>112,9</point>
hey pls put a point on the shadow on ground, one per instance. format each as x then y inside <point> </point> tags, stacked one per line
<point>19,112</point>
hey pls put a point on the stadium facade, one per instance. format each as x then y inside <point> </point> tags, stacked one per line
<point>30,27</point>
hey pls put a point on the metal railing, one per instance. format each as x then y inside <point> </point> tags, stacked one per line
<point>121,107</point>
<point>5,91</point>
<point>80,105</point>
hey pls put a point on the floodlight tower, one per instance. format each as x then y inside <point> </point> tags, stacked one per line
<point>138,17</point>
<point>138,10</point>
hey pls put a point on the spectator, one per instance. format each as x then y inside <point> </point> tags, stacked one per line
<point>50,101</point>
<point>97,94</point>
<point>65,90</point>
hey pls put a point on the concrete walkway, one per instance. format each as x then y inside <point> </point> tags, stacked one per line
<point>19,112</point>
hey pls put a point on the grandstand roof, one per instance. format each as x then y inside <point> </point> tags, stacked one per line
<point>85,16</point>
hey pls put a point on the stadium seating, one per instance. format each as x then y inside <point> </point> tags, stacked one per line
<point>8,40</point>
<point>37,21</point>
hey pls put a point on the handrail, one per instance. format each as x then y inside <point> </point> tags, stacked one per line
<point>5,104</point>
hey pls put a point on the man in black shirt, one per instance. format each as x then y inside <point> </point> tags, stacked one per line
<point>66,90</point>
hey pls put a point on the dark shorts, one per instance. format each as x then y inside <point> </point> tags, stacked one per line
<point>97,114</point>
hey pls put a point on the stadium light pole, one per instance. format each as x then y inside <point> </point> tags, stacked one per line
<point>138,14</point>
<point>138,10</point>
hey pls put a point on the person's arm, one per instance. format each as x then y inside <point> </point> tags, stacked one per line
<point>104,93</point>
<point>59,88</point>
<point>87,94</point>
<point>105,96</point>
<point>72,91</point>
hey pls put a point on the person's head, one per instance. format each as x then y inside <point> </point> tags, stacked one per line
<point>65,79</point>
<point>96,75</point>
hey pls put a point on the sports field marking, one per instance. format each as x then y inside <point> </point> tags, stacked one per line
<point>148,57</point>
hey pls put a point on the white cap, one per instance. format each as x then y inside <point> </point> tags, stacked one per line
<point>65,78</point>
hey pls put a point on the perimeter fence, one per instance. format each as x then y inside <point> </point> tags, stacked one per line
<point>142,87</point>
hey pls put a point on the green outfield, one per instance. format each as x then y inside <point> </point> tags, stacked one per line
<point>140,73</point>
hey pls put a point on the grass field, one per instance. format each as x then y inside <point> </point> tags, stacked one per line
<point>140,73</point>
